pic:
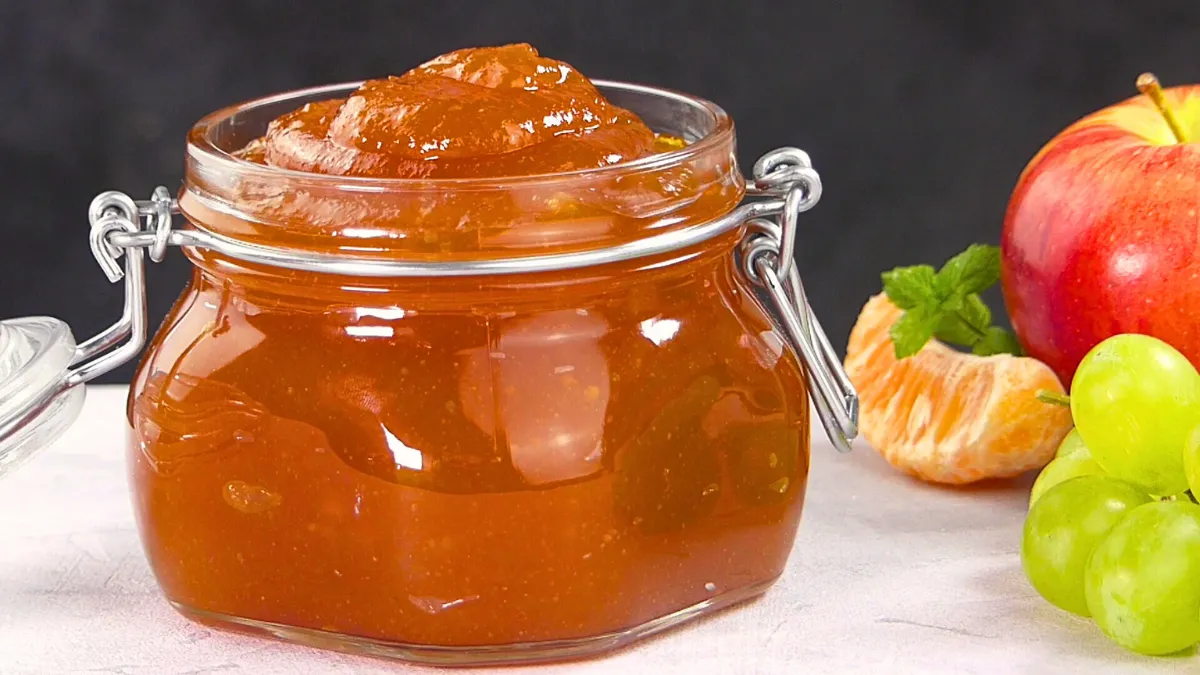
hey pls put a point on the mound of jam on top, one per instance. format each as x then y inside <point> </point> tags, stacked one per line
<point>497,150</point>
<point>472,113</point>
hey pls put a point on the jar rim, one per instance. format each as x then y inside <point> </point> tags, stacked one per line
<point>204,148</point>
<point>456,220</point>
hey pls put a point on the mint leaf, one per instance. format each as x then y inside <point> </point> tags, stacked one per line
<point>912,330</point>
<point>965,325</point>
<point>952,303</point>
<point>946,304</point>
<point>972,271</point>
<point>910,287</point>
<point>975,313</point>
<point>997,341</point>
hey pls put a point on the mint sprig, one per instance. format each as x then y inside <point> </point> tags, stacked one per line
<point>945,304</point>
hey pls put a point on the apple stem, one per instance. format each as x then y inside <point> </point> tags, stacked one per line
<point>1053,398</point>
<point>1148,84</point>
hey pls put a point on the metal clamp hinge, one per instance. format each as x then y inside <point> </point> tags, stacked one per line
<point>112,213</point>
<point>768,261</point>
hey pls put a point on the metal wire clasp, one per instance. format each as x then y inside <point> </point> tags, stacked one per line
<point>767,260</point>
<point>112,214</point>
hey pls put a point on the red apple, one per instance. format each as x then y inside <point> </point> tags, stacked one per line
<point>1102,234</point>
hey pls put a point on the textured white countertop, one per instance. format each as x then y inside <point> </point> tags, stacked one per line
<point>888,576</point>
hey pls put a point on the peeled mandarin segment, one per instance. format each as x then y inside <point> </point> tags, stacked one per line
<point>949,417</point>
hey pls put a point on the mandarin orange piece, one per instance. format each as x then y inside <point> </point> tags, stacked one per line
<point>949,417</point>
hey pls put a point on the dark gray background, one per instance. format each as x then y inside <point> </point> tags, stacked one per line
<point>919,114</point>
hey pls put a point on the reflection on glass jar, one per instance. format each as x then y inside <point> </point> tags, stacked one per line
<point>547,387</point>
<point>668,476</point>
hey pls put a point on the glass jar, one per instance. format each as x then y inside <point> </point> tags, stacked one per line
<point>460,421</point>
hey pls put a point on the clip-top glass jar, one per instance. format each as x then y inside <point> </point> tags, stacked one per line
<point>460,420</point>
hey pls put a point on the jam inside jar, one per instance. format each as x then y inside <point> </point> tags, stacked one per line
<point>457,467</point>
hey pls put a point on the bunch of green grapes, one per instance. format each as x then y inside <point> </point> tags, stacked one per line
<point>1113,530</point>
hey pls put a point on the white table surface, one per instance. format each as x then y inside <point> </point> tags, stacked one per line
<point>888,576</point>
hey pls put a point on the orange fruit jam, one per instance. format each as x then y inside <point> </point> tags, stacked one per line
<point>500,111</point>
<point>472,461</point>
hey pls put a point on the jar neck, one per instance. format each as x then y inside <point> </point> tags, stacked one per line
<point>461,219</point>
<point>300,289</point>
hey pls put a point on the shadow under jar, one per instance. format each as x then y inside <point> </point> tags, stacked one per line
<point>467,421</point>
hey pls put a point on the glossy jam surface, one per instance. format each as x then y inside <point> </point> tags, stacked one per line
<point>501,150</point>
<point>497,111</point>
<point>473,461</point>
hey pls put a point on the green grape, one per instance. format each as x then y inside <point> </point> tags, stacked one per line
<point>1143,581</point>
<point>1071,443</point>
<point>1078,463</point>
<point>1135,399</point>
<point>1064,527</point>
<point>1191,461</point>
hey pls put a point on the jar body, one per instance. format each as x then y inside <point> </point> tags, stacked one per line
<point>467,464</point>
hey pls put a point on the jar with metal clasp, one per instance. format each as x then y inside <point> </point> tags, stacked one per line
<point>577,416</point>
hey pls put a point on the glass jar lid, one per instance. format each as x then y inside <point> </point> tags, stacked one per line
<point>42,369</point>
<point>35,405</point>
